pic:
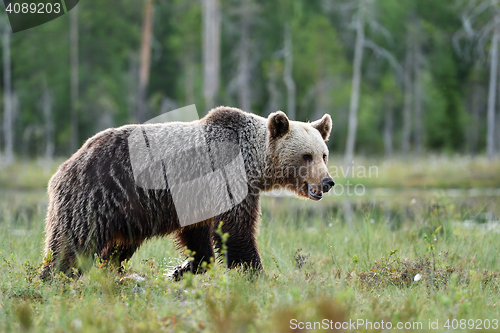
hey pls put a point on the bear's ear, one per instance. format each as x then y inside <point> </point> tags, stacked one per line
<point>278,124</point>
<point>324,126</point>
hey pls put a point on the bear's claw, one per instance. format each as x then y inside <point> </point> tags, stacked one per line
<point>179,271</point>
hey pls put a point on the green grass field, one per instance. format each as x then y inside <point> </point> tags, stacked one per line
<point>411,256</point>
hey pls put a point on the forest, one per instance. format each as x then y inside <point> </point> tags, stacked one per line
<point>407,239</point>
<point>397,76</point>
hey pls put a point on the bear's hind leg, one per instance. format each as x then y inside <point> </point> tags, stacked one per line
<point>61,261</point>
<point>115,254</point>
<point>125,253</point>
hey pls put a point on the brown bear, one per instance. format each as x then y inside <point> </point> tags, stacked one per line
<point>97,208</point>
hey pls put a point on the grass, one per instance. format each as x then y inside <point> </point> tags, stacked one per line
<point>27,175</point>
<point>317,267</point>
<point>409,255</point>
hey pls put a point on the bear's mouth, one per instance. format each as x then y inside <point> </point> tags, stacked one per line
<point>313,193</point>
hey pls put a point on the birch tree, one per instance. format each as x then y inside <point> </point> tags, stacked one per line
<point>246,13</point>
<point>73,35</point>
<point>388,125</point>
<point>417,95</point>
<point>288,73</point>
<point>211,51</point>
<point>8,114</point>
<point>389,100</point>
<point>490,134</point>
<point>272,87</point>
<point>49,127</point>
<point>145,61</point>
<point>391,96</point>
<point>476,104</point>
<point>356,81</point>
<point>408,88</point>
<point>360,44</point>
<point>412,102</point>
<point>473,50</point>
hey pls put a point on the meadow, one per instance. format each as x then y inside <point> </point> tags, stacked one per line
<point>419,252</point>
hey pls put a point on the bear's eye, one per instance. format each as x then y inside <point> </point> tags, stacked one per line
<point>307,157</point>
<point>324,157</point>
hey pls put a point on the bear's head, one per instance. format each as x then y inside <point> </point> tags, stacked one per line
<point>299,154</point>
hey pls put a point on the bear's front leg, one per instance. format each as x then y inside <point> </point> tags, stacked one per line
<point>241,224</point>
<point>198,240</point>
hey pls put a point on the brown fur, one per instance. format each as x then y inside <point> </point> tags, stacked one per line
<point>96,208</point>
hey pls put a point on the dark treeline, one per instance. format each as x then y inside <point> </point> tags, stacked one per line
<point>404,76</point>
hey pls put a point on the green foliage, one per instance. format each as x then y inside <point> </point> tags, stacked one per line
<point>224,236</point>
<point>323,42</point>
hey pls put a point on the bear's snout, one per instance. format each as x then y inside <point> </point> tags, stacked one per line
<point>327,184</point>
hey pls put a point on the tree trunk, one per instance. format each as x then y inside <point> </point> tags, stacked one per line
<point>288,74</point>
<point>49,127</point>
<point>272,88</point>
<point>497,135</point>
<point>490,136</point>
<point>388,125</point>
<point>145,61</point>
<point>211,51</point>
<point>132,86</point>
<point>189,78</point>
<point>356,81</point>
<point>320,89</point>
<point>493,118</point>
<point>407,96</point>
<point>476,102</point>
<point>15,106</point>
<point>73,15</point>
<point>244,62</point>
<point>321,98</point>
<point>348,212</point>
<point>417,97</point>
<point>8,116</point>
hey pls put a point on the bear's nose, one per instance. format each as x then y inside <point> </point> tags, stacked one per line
<point>327,183</point>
